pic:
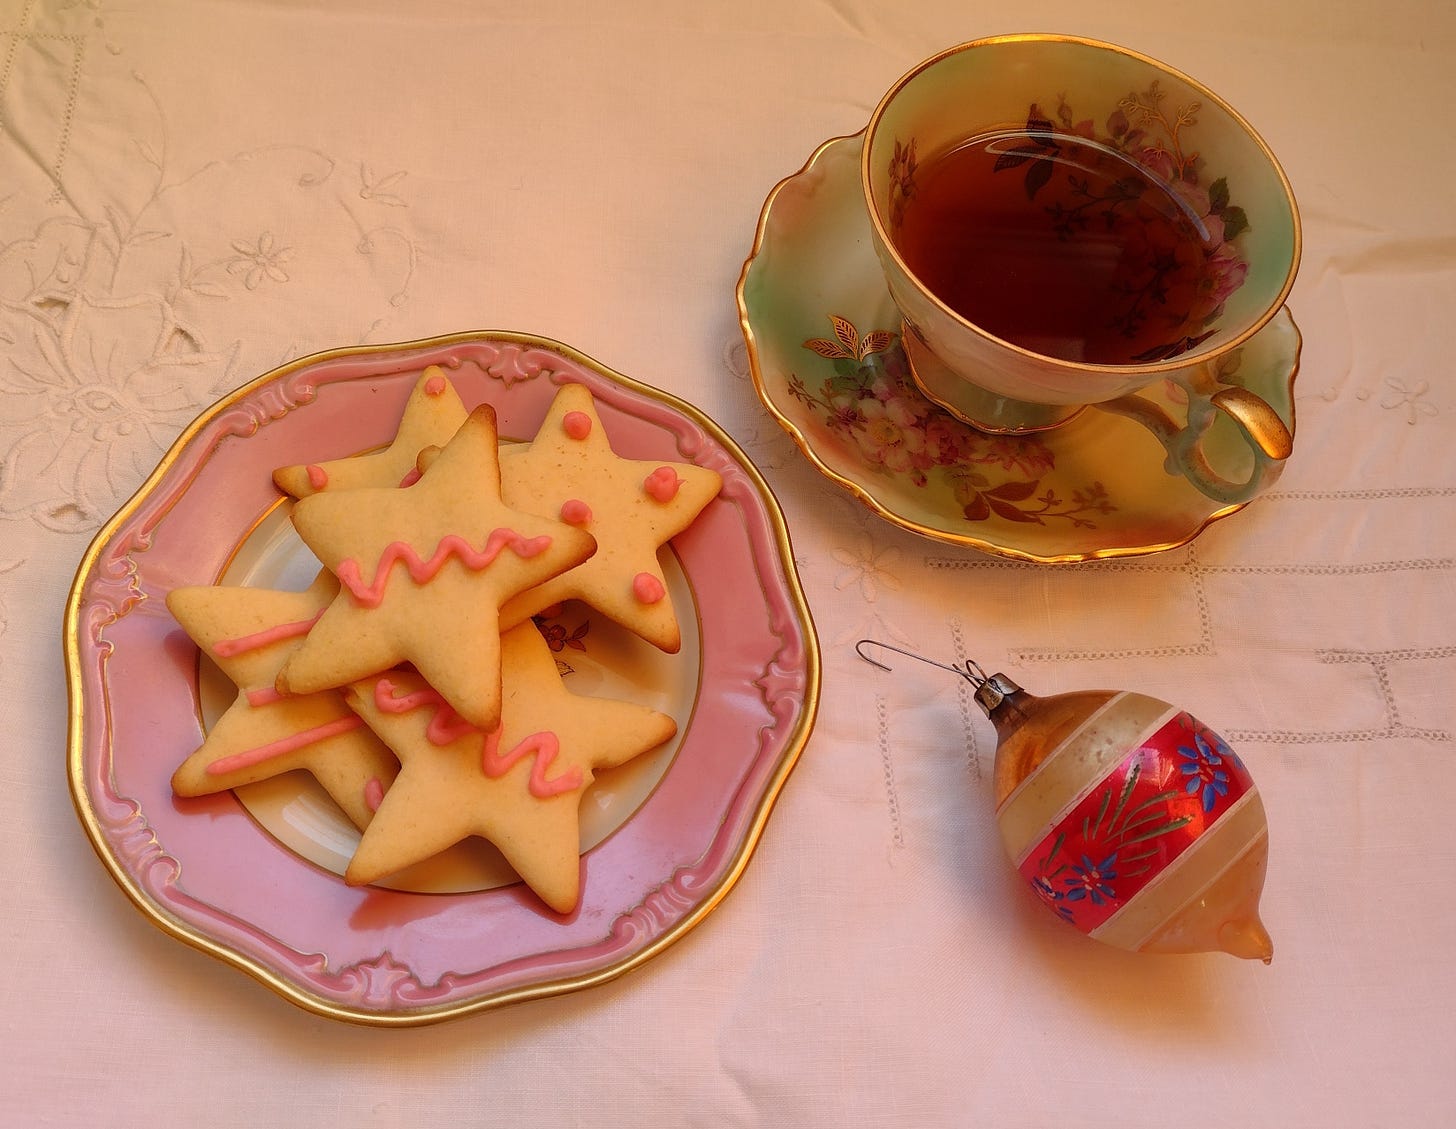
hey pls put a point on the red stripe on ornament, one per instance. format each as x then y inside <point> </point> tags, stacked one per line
<point>1149,809</point>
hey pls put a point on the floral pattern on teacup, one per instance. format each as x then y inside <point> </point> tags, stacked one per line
<point>1155,267</point>
<point>870,401</point>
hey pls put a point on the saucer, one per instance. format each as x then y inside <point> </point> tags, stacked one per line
<point>824,349</point>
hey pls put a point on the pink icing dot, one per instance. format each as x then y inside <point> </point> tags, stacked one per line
<point>411,476</point>
<point>575,512</point>
<point>662,484</point>
<point>373,794</point>
<point>647,588</point>
<point>434,386</point>
<point>578,425</point>
<point>318,478</point>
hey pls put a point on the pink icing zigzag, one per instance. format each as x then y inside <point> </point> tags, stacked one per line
<point>422,571</point>
<point>544,746</point>
<point>447,726</point>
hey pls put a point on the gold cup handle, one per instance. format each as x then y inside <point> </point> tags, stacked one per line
<point>1268,439</point>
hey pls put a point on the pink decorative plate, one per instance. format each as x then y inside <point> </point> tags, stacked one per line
<point>222,874</point>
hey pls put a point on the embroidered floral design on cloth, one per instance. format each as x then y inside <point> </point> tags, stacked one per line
<point>259,261</point>
<point>866,568</point>
<point>871,401</point>
<point>93,390</point>
<point>125,283</point>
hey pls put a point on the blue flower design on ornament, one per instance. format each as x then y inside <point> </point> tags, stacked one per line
<point>1052,897</point>
<point>1090,880</point>
<point>1201,767</point>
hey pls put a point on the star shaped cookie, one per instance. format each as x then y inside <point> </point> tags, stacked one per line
<point>632,507</point>
<point>423,573</point>
<point>519,785</point>
<point>249,633</point>
<point>432,414</point>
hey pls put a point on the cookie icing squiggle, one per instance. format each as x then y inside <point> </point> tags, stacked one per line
<point>446,726</point>
<point>371,595</point>
<point>544,746</point>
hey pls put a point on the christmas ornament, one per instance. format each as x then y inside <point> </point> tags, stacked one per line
<point>1130,819</point>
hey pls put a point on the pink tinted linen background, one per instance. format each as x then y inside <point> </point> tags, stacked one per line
<point>192,193</point>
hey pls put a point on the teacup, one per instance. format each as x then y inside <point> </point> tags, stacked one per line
<point>1063,222</point>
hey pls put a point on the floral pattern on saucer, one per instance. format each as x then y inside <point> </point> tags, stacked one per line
<point>872,401</point>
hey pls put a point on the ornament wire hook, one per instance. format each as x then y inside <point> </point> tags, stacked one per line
<point>969,670</point>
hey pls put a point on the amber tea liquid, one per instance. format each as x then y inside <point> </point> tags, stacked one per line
<point>1062,246</point>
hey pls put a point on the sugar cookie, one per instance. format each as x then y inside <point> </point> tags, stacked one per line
<point>632,507</point>
<point>519,785</point>
<point>249,632</point>
<point>432,414</point>
<point>423,573</point>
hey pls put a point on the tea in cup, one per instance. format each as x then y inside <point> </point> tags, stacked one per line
<point>1063,222</point>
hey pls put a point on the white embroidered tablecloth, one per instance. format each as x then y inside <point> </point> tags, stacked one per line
<point>193,192</point>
